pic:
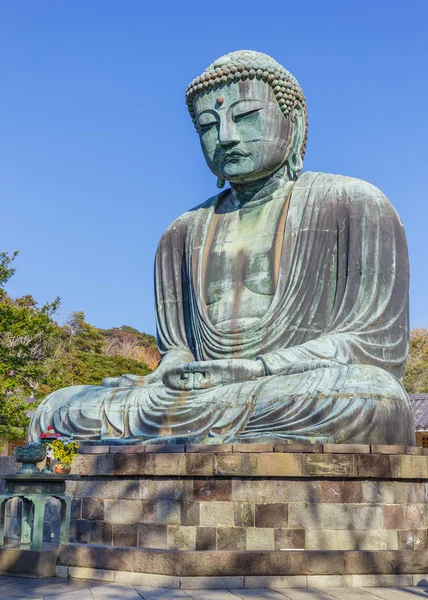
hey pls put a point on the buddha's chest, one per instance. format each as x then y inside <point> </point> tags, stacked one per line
<point>241,257</point>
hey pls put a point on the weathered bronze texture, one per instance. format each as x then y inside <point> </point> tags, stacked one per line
<point>281,303</point>
<point>29,456</point>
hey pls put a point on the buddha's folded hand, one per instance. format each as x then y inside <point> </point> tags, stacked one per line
<point>208,374</point>
<point>133,380</point>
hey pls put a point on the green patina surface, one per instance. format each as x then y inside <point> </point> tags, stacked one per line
<point>281,303</point>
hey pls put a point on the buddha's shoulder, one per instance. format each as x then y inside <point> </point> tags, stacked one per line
<point>341,187</point>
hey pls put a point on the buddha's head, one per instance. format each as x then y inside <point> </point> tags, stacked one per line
<point>251,117</point>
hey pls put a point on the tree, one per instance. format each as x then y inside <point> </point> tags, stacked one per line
<point>416,379</point>
<point>26,341</point>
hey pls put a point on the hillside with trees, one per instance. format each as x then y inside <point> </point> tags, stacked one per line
<point>39,356</point>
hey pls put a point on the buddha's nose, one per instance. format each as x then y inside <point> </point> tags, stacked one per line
<point>227,133</point>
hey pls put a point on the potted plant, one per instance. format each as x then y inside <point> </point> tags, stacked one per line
<point>63,449</point>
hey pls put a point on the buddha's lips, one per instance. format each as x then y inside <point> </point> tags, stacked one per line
<point>233,156</point>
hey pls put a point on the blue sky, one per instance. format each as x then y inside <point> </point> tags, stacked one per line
<point>98,154</point>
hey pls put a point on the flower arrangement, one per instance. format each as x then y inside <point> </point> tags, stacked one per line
<point>60,447</point>
<point>63,450</point>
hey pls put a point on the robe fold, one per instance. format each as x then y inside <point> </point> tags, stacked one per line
<point>334,340</point>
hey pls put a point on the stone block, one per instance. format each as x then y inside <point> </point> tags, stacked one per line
<point>324,562</point>
<point>168,512</point>
<point>147,580</point>
<point>158,562</point>
<point>211,583</point>
<point>123,511</point>
<point>346,448</point>
<point>252,448</point>
<point>243,514</point>
<point>168,464</point>
<point>393,492</point>
<point>148,511</point>
<point>253,490</point>
<point>61,572</point>
<point>341,492</point>
<point>181,538</point>
<point>132,464</point>
<point>416,450</point>
<point>165,448</point>
<point>306,515</point>
<point>290,539</point>
<point>420,579</point>
<point>102,533</point>
<point>93,449</point>
<point>279,465</point>
<point>206,538</point>
<point>386,449</point>
<point>134,449</point>
<point>231,538</point>
<point>190,513</point>
<point>161,489</point>
<point>214,448</point>
<point>95,489</point>
<point>321,539</point>
<point>95,556</point>
<point>88,573</point>
<point>271,515</point>
<point>324,581</point>
<point>412,539</point>
<point>291,490</point>
<point>220,564</point>
<point>80,531</point>
<point>275,581</point>
<point>381,580</point>
<point>27,563</point>
<point>367,539</point>
<point>152,536</point>
<point>91,465</point>
<point>414,516</point>
<point>365,517</point>
<point>125,535</point>
<point>372,465</point>
<point>212,489</point>
<point>235,464</point>
<point>76,509</point>
<point>199,464</point>
<point>394,516</point>
<point>128,489</point>
<point>216,514</point>
<point>328,465</point>
<point>259,538</point>
<point>299,448</point>
<point>93,508</point>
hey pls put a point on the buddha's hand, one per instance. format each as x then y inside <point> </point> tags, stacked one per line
<point>133,380</point>
<point>209,374</point>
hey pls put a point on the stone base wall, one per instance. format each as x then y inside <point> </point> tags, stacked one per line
<point>249,511</point>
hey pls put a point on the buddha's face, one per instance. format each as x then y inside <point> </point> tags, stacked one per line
<point>244,135</point>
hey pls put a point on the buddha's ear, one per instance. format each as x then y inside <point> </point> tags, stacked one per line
<point>295,160</point>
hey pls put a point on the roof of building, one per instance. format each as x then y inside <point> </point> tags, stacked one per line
<point>419,404</point>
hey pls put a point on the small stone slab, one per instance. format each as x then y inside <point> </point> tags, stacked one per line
<point>347,448</point>
<point>161,593</point>
<point>306,594</point>
<point>349,594</point>
<point>396,593</point>
<point>381,449</point>
<point>303,448</point>
<point>252,448</point>
<point>209,448</point>
<point>165,448</point>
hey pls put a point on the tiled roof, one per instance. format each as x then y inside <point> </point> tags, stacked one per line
<point>419,403</point>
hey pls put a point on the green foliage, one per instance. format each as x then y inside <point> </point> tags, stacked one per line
<point>37,356</point>
<point>416,379</point>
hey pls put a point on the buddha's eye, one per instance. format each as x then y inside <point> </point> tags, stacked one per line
<point>241,115</point>
<point>207,125</point>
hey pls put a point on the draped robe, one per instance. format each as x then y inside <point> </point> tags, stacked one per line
<point>334,340</point>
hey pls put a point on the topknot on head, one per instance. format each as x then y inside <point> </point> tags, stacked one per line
<point>249,64</point>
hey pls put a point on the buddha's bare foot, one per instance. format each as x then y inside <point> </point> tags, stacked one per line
<point>208,374</point>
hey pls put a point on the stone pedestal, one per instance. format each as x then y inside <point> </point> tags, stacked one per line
<point>249,516</point>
